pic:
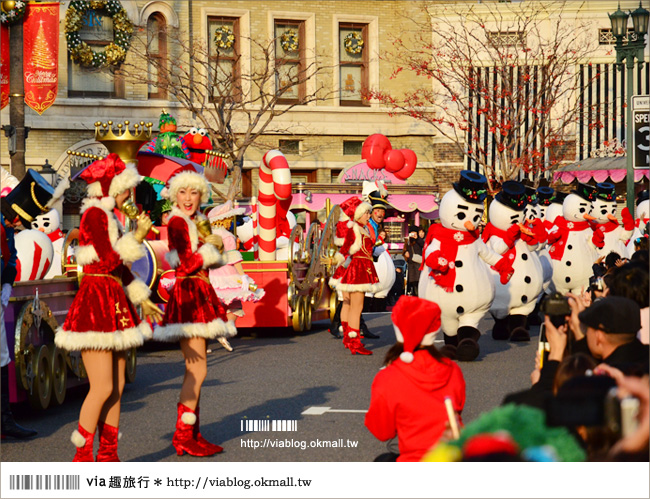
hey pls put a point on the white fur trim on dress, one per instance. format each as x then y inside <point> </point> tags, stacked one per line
<point>354,288</point>
<point>338,258</point>
<point>188,418</point>
<point>128,179</point>
<point>129,248</point>
<point>78,439</point>
<point>86,255</point>
<point>211,256</point>
<point>187,179</point>
<point>137,291</point>
<point>334,283</point>
<point>191,226</point>
<point>97,340</point>
<point>356,246</point>
<point>58,192</point>
<point>210,330</point>
<point>173,259</point>
<point>339,241</point>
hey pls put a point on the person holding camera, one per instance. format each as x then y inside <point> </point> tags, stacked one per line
<point>413,256</point>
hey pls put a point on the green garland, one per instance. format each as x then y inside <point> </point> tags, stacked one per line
<point>13,14</point>
<point>115,52</point>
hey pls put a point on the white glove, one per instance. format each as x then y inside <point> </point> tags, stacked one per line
<point>6,294</point>
<point>245,282</point>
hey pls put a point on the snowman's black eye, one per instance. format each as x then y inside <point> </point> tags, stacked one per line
<point>582,210</point>
<point>461,216</point>
<point>476,218</point>
<point>603,211</point>
<point>46,224</point>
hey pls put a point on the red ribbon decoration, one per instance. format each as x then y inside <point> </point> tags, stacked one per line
<point>4,65</point>
<point>41,55</point>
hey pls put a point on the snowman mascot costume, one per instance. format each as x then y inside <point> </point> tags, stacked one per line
<point>608,234</point>
<point>642,219</point>
<point>49,224</point>
<point>572,252</point>
<point>545,196</point>
<point>455,268</point>
<point>506,234</point>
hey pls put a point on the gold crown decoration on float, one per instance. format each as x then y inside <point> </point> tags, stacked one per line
<point>123,143</point>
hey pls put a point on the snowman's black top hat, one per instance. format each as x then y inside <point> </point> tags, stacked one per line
<point>642,196</point>
<point>559,197</point>
<point>472,186</point>
<point>28,199</point>
<point>585,191</point>
<point>531,196</point>
<point>545,195</point>
<point>605,191</point>
<point>513,195</point>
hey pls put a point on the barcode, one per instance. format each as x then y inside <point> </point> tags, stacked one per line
<point>269,425</point>
<point>43,482</point>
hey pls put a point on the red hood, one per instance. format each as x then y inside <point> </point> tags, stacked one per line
<point>428,373</point>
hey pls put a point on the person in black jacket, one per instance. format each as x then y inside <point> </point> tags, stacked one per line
<point>413,255</point>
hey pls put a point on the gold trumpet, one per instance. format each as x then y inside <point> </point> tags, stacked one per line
<point>130,209</point>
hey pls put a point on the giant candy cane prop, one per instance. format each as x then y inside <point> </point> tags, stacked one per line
<point>275,187</point>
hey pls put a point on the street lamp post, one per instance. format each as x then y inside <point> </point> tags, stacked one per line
<point>628,52</point>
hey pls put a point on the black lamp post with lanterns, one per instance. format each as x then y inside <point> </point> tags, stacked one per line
<point>627,51</point>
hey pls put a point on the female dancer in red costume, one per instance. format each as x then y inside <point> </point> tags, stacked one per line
<point>102,322</point>
<point>194,314</point>
<point>356,274</point>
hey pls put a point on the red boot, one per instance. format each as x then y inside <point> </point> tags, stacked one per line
<point>355,345</point>
<point>202,441</point>
<point>346,335</point>
<point>108,437</point>
<point>84,443</point>
<point>183,440</point>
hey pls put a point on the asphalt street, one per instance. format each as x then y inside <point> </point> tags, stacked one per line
<point>271,376</point>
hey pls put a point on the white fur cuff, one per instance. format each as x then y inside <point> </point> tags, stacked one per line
<point>137,291</point>
<point>172,259</point>
<point>129,248</point>
<point>188,418</point>
<point>338,258</point>
<point>86,255</point>
<point>77,439</point>
<point>211,256</point>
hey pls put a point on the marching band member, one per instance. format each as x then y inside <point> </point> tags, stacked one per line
<point>194,314</point>
<point>102,322</point>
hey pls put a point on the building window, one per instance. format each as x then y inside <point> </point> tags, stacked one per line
<point>97,32</point>
<point>224,43</point>
<point>353,55</point>
<point>352,147</point>
<point>157,55</point>
<point>289,146</point>
<point>290,60</point>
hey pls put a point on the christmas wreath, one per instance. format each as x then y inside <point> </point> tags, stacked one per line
<point>115,52</point>
<point>11,12</point>
<point>289,41</point>
<point>224,37</point>
<point>353,43</point>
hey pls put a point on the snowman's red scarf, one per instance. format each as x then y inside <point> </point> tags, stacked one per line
<point>606,227</point>
<point>490,230</point>
<point>559,238</point>
<point>56,235</point>
<point>450,240</point>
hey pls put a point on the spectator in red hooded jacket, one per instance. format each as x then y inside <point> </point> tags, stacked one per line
<point>408,395</point>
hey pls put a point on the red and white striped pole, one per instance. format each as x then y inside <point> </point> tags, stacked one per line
<point>275,185</point>
<point>256,252</point>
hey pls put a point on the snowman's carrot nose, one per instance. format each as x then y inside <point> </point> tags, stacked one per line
<point>469,226</point>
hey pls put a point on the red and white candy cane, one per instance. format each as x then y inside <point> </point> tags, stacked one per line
<point>274,192</point>
<point>256,250</point>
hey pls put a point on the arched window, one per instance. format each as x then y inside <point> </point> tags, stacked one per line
<point>157,55</point>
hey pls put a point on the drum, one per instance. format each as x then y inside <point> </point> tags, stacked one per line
<point>153,263</point>
<point>165,284</point>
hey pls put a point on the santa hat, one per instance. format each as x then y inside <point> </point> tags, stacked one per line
<point>186,180</point>
<point>224,210</point>
<point>416,322</point>
<point>109,177</point>
<point>354,208</point>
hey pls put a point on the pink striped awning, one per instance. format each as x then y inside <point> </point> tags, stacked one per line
<point>600,169</point>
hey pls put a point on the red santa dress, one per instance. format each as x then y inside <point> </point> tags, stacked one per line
<point>102,317</point>
<point>193,310</point>
<point>357,272</point>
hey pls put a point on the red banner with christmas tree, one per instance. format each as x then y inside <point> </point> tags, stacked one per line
<point>41,55</point>
<point>4,65</point>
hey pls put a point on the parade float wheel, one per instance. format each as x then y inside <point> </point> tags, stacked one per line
<point>35,326</point>
<point>131,365</point>
<point>41,392</point>
<point>333,304</point>
<point>76,364</point>
<point>292,295</point>
<point>59,374</point>
<point>298,317</point>
<point>317,293</point>
<point>307,311</point>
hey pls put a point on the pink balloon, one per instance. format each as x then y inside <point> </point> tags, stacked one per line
<point>394,160</point>
<point>373,150</point>
<point>410,162</point>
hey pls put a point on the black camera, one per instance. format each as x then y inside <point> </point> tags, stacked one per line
<point>556,306</point>
<point>596,283</point>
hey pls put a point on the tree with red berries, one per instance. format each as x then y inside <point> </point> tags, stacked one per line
<point>502,83</point>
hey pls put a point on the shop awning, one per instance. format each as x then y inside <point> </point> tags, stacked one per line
<point>404,203</point>
<point>600,169</point>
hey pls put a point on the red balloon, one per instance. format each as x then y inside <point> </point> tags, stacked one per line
<point>410,162</point>
<point>394,160</point>
<point>373,150</point>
